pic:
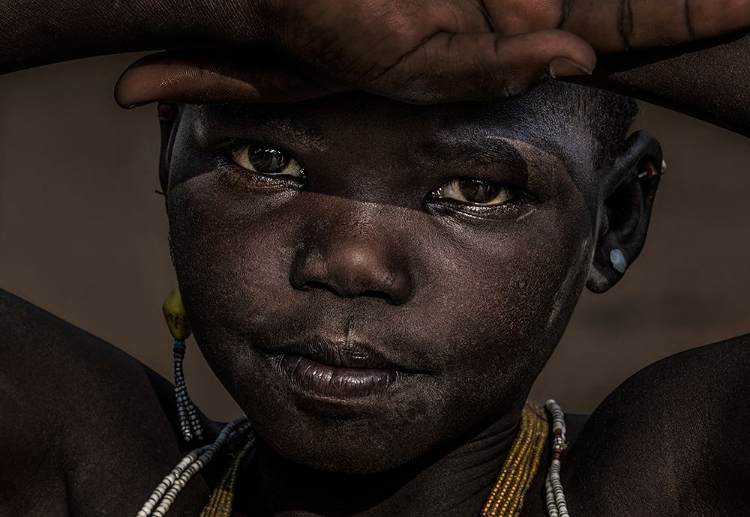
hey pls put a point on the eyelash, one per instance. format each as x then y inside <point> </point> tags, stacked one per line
<point>239,176</point>
<point>448,207</point>
<point>520,199</point>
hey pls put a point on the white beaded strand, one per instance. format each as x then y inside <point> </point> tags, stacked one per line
<point>158,504</point>
<point>189,422</point>
<point>556,504</point>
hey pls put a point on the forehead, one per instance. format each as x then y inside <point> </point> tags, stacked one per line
<point>547,120</point>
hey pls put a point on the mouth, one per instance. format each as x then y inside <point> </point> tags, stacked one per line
<point>337,369</point>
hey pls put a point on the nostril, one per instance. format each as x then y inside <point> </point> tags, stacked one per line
<point>378,294</point>
<point>371,293</point>
<point>312,284</point>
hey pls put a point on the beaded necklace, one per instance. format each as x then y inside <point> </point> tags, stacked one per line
<point>505,500</point>
<point>521,465</point>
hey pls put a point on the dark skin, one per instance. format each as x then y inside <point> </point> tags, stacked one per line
<point>365,251</point>
<point>332,246</point>
<point>330,253</point>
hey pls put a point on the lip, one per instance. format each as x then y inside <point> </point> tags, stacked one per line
<point>336,382</point>
<point>337,369</point>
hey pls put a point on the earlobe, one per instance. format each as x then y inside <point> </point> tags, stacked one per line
<point>628,189</point>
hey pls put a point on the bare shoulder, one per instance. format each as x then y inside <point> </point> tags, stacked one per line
<point>671,440</point>
<point>79,417</point>
<point>63,373</point>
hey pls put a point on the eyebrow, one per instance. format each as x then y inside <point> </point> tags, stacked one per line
<point>304,137</point>
<point>479,150</point>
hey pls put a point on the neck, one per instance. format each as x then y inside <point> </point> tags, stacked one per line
<point>453,481</point>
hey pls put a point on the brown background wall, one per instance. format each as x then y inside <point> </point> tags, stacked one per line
<point>83,235</point>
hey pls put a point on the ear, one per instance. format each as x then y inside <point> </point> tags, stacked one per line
<point>627,192</point>
<point>169,114</point>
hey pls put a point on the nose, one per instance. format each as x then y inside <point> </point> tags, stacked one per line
<point>353,259</point>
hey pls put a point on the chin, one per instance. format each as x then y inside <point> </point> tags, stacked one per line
<point>361,436</point>
<point>352,462</point>
<point>363,447</point>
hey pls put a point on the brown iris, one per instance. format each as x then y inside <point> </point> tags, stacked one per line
<point>267,160</point>
<point>475,192</point>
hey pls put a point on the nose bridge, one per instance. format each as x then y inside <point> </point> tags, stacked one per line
<point>354,249</point>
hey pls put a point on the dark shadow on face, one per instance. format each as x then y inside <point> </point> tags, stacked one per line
<point>391,277</point>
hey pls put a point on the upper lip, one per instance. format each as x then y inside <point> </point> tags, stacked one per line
<point>337,353</point>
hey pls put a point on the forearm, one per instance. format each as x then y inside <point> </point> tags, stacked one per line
<point>39,32</point>
<point>707,81</point>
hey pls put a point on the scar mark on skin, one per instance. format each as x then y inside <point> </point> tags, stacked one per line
<point>524,216</point>
<point>570,278</point>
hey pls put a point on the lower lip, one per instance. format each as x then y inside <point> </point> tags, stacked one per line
<point>336,382</point>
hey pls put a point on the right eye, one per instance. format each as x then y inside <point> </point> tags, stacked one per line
<point>475,192</point>
<point>267,160</point>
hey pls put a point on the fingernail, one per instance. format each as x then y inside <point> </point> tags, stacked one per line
<point>564,67</point>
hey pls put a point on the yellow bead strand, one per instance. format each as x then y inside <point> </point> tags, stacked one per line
<point>521,465</point>
<point>222,499</point>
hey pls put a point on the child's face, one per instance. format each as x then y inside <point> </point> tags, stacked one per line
<point>364,311</point>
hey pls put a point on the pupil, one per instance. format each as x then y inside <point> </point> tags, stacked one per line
<point>477,191</point>
<point>268,160</point>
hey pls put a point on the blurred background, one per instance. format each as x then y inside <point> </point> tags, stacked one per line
<point>83,235</point>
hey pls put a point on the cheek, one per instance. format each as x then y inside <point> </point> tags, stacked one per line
<point>228,256</point>
<point>509,296</point>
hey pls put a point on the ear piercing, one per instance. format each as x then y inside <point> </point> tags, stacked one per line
<point>179,327</point>
<point>166,111</point>
<point>617,258</point>
<point>650,171</point>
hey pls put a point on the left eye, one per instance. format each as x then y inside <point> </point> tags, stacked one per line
<point>475,192</point>
<point>267,160</point>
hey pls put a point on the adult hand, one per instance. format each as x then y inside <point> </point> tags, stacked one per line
<point>423,51</point>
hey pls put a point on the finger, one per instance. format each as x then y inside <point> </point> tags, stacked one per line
<point>208,77</point>
<point>710,18</point>
<point>512,17</point>
<point>615,26</point>
<point>483,66</point>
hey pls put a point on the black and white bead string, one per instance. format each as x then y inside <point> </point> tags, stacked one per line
<point>189,422</point>
<point>166,492</point>
<point>556,504</point>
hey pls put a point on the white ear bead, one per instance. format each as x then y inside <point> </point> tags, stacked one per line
<point>617,257</point>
